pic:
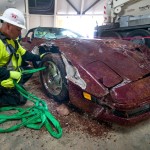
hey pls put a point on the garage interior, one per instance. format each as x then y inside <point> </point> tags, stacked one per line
<point>63,13</point>
<point>80,131</point>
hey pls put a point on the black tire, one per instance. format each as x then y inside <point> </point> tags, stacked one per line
<point>110,34</point>
<point>53,78</point>
<point>138,37</point>
<point>36,64</point>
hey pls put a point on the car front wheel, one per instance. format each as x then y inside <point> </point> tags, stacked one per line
<point>53,78</point>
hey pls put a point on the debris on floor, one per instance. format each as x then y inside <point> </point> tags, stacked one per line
<point>63,110</point>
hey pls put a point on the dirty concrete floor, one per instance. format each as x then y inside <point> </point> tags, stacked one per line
<point>80,132</point>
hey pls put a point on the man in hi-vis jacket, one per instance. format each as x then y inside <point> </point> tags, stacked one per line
<point>12,56</point>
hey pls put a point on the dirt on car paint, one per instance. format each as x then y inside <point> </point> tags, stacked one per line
<point>80,131</point>
<point>76,120</point>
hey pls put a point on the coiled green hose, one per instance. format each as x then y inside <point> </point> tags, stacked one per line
<point>34,117</point>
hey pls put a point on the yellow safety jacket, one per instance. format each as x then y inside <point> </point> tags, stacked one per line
<point>14,62</point>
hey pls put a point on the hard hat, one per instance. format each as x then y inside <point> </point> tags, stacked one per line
<point>14,17</point>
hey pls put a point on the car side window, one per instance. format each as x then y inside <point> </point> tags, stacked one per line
<point>30,35</point>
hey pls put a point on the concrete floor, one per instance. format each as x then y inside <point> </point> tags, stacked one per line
<point>76,135</point>
<point>134,138</point>
<point>130,138</point>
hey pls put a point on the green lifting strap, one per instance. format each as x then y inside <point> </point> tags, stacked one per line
<point>34,117</point>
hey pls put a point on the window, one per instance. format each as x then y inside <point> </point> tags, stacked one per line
<point>44,7</point>
<point>44,33</point>
<point>69,34</point>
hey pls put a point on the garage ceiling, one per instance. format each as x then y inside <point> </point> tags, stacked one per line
<point>80,7</point>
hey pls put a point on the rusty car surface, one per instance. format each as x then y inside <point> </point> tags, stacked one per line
<point>107,78</point>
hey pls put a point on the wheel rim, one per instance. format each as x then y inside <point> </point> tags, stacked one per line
<point>52,78</point>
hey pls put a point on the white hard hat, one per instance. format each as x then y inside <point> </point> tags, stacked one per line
<point>14,17</point>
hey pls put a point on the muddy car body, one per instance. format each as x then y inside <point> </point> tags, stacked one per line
<point>107,78</point>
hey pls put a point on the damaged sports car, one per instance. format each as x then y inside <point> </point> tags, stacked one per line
<point>107,78</point>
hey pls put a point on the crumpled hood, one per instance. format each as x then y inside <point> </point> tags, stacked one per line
<point>109,61</point>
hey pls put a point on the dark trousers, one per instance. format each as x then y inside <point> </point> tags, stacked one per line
<point>10,96</point>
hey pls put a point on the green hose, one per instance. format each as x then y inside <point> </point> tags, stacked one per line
<point>34,117</point>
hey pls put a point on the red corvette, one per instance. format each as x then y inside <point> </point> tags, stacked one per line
<point>107,78</point>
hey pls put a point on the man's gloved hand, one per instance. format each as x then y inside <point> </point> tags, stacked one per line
<point>15,75</point>
<point>41,56</point>
<point>7,83</point>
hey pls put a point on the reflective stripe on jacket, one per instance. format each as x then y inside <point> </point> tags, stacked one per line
<point>5,54</point>
<point>14,63</point>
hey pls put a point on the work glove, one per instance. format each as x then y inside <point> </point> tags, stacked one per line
<point>15,75</point>
<point>7,83</point>
<point>36,64</point>
<point>41,56</point>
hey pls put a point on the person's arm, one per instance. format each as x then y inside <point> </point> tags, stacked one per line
<point>28,56</point>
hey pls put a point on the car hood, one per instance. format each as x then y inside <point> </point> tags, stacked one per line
<point>109,61</point>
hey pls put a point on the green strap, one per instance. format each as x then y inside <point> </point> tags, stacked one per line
<point>32,70</point>
<point>34,117</point>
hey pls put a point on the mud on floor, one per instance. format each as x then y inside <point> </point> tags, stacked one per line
<point>76,120</point>
<point>80,131</point>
